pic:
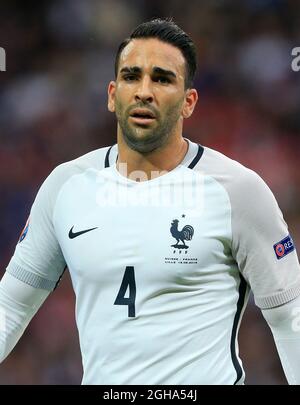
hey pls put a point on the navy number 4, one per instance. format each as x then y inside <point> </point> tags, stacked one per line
<point>128,281</point>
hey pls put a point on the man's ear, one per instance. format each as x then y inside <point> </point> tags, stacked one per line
<point>111,96</point>
<point>191,99</point>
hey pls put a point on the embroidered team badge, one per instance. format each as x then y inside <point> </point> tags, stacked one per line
<point>181,253</point>
<point>24,231</point>
<point>186,233</point>
<point>284,247</point>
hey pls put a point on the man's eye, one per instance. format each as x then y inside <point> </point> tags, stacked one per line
<point>129,78</point>
<point>162,80</point>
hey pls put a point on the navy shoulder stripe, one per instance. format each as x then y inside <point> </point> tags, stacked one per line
<point>106,162</point>
<point>197,157</point>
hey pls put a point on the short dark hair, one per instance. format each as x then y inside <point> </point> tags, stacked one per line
<point>166,31</point>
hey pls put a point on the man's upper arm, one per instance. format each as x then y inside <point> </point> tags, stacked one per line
<point>38,260</point>
<point>261,243</point>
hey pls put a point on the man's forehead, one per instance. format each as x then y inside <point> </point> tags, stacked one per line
<point>150,52</point>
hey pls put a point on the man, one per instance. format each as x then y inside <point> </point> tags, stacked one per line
<point>163,238</point>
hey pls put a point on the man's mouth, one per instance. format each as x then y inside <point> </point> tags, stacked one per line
<point>142,116</point>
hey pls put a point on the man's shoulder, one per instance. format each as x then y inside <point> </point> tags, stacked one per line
<point>65,171</point>
<point>236,178</point>
<point>216,163</point>
<point>94,159</point>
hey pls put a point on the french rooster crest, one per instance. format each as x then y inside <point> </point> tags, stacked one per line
<point>186,233</point>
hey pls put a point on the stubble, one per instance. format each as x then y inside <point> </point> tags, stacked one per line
<point>145,139</point>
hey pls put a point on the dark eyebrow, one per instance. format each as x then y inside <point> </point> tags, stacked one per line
<point>164,72</point>
<point>131,69</point>
<point>156,70</point>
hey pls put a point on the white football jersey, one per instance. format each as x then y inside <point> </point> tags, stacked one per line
<point>161,268</point>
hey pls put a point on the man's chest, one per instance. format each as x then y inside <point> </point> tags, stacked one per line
<point>103,228</point>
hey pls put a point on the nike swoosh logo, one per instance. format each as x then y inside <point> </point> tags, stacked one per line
<point>73,235</point>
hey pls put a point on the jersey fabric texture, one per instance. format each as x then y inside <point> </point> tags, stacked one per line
<point>161,268</point>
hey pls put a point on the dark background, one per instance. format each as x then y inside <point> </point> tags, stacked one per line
<point>60,57</point>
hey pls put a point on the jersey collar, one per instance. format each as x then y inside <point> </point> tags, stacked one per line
<point>192,157</point>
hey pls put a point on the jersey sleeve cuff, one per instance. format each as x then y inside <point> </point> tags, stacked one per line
<point>30,278</point>
<point>278,299</point>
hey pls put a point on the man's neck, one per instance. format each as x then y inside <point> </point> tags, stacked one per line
<point>153,164</point>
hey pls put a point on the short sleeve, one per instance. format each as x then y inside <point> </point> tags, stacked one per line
<point>258,228</point>
<point>38,259</point>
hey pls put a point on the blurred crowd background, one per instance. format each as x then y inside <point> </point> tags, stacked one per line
<point>60,57</point>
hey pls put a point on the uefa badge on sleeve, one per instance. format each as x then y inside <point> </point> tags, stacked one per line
<point>24,231</point>
<point>284,247</point>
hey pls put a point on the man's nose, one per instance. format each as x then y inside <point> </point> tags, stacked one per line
<point>144,90</point>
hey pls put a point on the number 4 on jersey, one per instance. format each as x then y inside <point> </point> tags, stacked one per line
<point>128,281</point>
